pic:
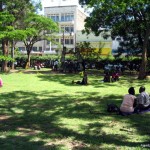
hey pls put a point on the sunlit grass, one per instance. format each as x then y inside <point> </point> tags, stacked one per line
<point>45,111</point>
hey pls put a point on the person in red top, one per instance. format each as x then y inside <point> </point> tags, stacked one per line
<point>115,76</point>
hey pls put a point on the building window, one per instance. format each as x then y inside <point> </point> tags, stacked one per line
<point>40,49</point>
<point>54,17</point>
<point>48,42</point>
<point>21,48</point>
<point>67,41</point>
<point>67,17</point>
<point>67,28</point>
<point>34,49</point>
<point>71,41</point>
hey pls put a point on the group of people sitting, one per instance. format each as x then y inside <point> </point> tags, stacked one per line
<point>107,78</point>
<point>132,104</point>
<point>111,77</point>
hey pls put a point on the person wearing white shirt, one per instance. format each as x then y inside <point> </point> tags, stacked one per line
<point>143,99</point>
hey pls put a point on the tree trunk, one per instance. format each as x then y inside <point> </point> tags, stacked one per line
<point>62,59</point>
<point>78,55</point>
<point>142,72</point>
<point>29,49</point>
<point>5,53</point>
<point>28,60</point>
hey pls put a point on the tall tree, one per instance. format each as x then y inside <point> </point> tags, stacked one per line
<point>37,28</point>
<point>10,12</point>
<point>124,18</point>
<point>7,32</point>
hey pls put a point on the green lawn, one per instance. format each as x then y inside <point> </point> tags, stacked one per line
<point>44,111</point>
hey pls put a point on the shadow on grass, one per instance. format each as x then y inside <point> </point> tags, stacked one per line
<point>94,80</point>
<point>34,123</point>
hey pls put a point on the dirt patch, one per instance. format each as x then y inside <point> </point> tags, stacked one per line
<point>4,117</point>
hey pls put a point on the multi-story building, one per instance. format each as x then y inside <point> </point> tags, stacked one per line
<point>70,18</point>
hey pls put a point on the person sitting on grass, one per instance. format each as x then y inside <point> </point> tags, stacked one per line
<point>84,80</point>
<point>127,105</point>
<point>115,76</point>
<point>143,100</point>
<point>106,77</point>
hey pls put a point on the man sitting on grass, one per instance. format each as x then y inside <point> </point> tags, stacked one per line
<point>143,100</point>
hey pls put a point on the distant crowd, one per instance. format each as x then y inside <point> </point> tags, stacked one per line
<point>75,66</point>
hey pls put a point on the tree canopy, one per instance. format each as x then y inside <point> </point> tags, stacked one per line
<point>10,14</point>
<point>19,21</point>
<point>37,28</point>
<point>129,19</point>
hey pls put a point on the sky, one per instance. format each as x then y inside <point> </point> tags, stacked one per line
<point>45,3</point>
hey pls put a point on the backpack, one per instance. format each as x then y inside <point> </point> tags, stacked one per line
<point>113,108</point>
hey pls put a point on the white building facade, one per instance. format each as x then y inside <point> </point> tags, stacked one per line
<point>70,19</point>
<point>53,3</point>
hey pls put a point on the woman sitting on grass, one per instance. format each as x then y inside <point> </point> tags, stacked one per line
<point>127,105</point>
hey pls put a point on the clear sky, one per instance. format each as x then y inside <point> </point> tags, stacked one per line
<point>46,3</point>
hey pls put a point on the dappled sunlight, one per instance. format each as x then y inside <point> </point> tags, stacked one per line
<point>58,116</point>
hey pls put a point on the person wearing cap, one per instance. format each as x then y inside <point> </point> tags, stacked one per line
<point>143,99</point>
<point>127,105</point>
